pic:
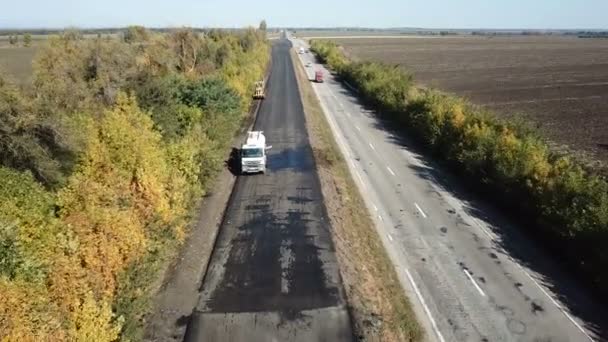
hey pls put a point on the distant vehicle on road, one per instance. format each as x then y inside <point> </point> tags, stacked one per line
<point>258,93</point>
<point>319,76</point>
<point>309,64</point>
<point>301,51</point>
<point>253,153</point>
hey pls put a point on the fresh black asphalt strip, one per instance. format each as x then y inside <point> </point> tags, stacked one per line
<point>273,274</point>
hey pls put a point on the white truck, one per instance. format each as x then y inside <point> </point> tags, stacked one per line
<point>253,153</point>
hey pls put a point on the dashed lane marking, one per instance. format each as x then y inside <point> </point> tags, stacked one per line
<point>474,282</point>
<point>420,210</point>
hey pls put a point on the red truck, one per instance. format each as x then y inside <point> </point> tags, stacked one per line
<point>319,76</point>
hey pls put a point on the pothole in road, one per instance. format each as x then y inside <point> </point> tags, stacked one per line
<point>257,207</point>
<point>516,327</point>
<point>536,307</point>
<point>299,199</point>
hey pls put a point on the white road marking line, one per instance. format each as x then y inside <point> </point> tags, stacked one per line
<point>420,210</point>
<point>426,308</point>
<point>390,237</point>
<point>391,171</point>
<point>485,231</point>
<point>375,208</point>
<point>359,176</point>
<point>555,302</point>
<point>474,282</point>
<point>372,146</point>
<point>358,129</point>
<point>380,218</point>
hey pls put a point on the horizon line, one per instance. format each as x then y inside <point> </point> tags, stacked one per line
<point>310,28</point>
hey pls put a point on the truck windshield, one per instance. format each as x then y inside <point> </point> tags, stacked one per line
<point>252,152</point>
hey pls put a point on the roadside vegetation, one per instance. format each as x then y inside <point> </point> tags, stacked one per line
<point>566,203</point>
<point>378,305</point>
<point>103,156</point>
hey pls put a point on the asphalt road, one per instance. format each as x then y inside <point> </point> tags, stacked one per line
<point>273,274</point>
<point>471,273</point>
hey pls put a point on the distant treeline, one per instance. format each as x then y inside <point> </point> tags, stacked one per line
<point>580,34</point>
<point>592,34</point>
<point>104,31</point>
<point>450,32</point>
<point>408,31</point>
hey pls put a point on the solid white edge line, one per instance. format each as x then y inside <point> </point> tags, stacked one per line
<point>372,146</point>
<point>426,308</point>
<point>358,129</point>
<point>420,210</point>
<point>359,176</point>
<point>391,171</point>
<point>389,237</point>
<point>480,225</point>
<point>578,326</point>
<point>474,282</point>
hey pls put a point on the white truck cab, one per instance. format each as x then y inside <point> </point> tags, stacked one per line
<point>253,153</point>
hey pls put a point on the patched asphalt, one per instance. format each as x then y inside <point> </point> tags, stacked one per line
<point>273,274</point>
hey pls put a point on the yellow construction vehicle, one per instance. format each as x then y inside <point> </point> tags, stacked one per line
<point>259,90</point>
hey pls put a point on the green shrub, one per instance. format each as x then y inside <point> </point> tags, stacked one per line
<point>27,227</point>
<point>27,140</point>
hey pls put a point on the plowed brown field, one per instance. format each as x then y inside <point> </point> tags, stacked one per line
<point>559,83</point>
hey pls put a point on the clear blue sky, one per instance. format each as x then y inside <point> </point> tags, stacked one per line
<point>536,14</point>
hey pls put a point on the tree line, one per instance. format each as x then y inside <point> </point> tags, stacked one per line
<point>102,159</point>
<point>14,39</point>
<point>565,203</point>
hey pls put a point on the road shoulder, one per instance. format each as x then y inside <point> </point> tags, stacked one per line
<point>179,293</point>
<point>377,303</point>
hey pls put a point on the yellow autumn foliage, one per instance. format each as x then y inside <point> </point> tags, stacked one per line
<point>118,189</point>
<point>77,252</point>
<point>26,314</point>
<point>93,321</point>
